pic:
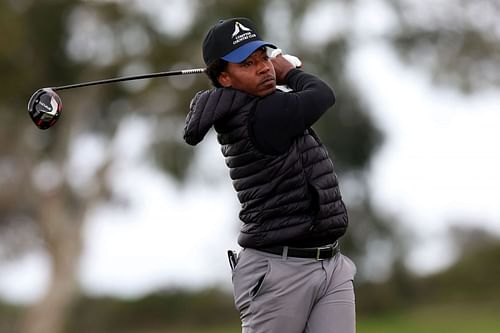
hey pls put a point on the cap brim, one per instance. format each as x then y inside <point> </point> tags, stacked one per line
<point>245,51</point>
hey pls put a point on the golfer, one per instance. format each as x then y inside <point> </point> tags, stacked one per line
<point>289,276</point>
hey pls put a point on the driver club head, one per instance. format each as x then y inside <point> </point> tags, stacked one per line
<point>44,108</point>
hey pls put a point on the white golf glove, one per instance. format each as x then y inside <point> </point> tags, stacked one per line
<point>291,59</point>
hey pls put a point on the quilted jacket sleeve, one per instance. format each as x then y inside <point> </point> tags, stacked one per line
<point>207,107</point>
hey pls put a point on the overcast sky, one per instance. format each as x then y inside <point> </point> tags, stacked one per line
<point>439,165</point>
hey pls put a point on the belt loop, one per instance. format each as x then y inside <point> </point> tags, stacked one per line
<point>284,255</point>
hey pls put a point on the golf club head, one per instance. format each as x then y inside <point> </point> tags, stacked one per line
<point>45,108</point>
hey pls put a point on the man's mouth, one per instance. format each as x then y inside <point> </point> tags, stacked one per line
<point>268,80</point>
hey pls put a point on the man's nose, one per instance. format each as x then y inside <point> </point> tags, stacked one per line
<point>263,66</point>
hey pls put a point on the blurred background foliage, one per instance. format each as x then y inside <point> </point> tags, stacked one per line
<point>44,201</point>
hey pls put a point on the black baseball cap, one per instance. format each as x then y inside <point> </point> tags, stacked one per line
<point>232,40</point>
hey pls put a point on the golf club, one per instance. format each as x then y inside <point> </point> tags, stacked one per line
<point>45,105</point>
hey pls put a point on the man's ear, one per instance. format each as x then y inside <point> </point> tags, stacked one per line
<point>225,79</point>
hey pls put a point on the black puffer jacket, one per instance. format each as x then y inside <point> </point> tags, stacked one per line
<point>290,198</point>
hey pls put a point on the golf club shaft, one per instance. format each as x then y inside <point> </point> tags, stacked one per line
<point>129,78</point>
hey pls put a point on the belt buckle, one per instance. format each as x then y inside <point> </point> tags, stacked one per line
<point>318,252</point>
<point>332,247</point>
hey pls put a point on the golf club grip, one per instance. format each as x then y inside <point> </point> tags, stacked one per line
<point>131,77</point>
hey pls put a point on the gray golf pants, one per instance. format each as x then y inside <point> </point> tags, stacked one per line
<point>275,294</point>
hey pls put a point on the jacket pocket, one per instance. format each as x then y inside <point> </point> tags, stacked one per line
<point>313,200</point>
<point>313,204</point>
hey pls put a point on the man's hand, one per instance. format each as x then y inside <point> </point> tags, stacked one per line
<point>281,68</point>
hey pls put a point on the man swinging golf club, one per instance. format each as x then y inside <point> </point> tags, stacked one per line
<point>290,276</point>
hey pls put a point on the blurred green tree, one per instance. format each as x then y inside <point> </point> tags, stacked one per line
<point>456,42</point>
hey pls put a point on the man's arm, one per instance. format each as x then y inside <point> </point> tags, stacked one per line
<point>280,117</point>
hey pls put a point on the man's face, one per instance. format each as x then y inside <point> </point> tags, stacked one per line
<point>255,75</point>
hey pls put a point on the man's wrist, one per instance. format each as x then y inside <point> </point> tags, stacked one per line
<point>290,74</point>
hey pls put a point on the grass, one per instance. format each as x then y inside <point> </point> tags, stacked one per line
<point>435,319</point>
<point>233,329</point>
<point>428,319</point>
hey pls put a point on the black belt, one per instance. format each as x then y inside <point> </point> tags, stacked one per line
<point>318,253</point>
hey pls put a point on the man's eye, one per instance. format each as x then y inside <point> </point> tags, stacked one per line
<point>266,57</point>
<point>247,64</point>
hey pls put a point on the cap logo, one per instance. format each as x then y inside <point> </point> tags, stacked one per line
<point>241,33</point>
